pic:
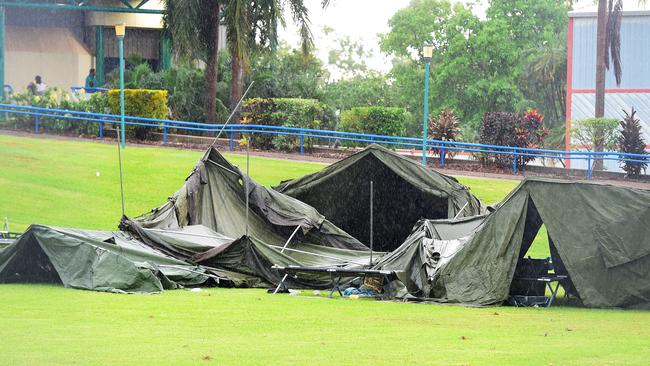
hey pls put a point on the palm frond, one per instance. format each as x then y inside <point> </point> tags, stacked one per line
<point>613,39</point>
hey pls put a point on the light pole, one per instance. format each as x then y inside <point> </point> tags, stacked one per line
<point>120,29</point>
<point>427,51</point>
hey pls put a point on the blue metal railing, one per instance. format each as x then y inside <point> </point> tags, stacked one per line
<point>302,133</point>
<point>89,90</point>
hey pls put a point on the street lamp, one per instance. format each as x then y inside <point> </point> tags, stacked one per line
<point>120,29</point>
<point>427,51</point>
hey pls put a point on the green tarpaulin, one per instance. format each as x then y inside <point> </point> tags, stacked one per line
<point>214,196</point>
<point>95,260</point>
<point>201,233</point>
<point>599,236</point>
<point>403,192</point>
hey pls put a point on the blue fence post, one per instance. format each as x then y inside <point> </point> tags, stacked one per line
<point>36,123</point>
<point>588,166</point>
<point>514,161</point>
<point>302,144</point>
<point>101,129</point>
<point>442,155</point>
<point>164,133</point>
<point>232,139</point>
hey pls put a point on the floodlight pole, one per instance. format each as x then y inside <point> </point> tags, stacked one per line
<point>427,51</point>
<point>2,54</point>
<point>246,181</point>
<point>119,158</point>
<point>119,32</point>
<point>371,222</point>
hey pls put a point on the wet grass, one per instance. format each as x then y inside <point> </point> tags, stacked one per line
<point>55,182</point>
<point>56,326</point>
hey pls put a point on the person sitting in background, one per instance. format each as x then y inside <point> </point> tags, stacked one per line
<point>37,87</point>
<point>91,80</point>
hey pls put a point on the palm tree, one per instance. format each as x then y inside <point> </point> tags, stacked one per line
<point>546,71</point>
<point>602,48</point>
<point>608,38</point>
<point>194,29</point>
<point>252,26</point>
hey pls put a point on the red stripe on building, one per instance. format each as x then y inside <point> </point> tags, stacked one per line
<point>618,90</point>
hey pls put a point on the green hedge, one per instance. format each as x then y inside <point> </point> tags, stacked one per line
<point>57,99</point>
<point>388,121</point>
<point>139,103</point>
<point>288,112</point>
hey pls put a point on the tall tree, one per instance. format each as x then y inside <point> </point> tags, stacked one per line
<point>545,74</point>
<point>608,44</point>
<point>251,26</point>
<point>194,29</point>
<point>286,73</point>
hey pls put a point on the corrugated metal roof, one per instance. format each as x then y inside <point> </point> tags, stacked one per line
<point>635,53</point>
<point>583,105</point>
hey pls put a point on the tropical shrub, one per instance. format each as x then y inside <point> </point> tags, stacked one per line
<point>388,121</point>
<point>139,103</point>
<point>185,86</point>
<point>596,134</point>
<point>288,112</point>
<point>630,141</point>
<point>444,127</point>
<point>510,129</point>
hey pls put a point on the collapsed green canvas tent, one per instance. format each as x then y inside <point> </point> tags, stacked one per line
<point>403,192</point>
<point>214,195</point>
<point>281,230</point>
<point>599,236</point>
<point>95,260</point>
<point>199,235</point>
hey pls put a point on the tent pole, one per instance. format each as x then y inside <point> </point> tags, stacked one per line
<point>280,284</point>
<point>119,158</point>
<point>461,210</point>
<point>246,180</point>
<point>291,237</point>
<point>278,248</point>
<point>232,114</point>
<point>223,167</point>
<point>371,222</point>
<point>192,271</point>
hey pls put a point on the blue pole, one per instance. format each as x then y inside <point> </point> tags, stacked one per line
<point>164,133</point>
<point>232,139</point>
<point>101,129</point>
<point>442,156</point>
<point>514,162</point>
<point>2,53</point>
<point>120,43</point>
<point>588,166</point>
<point>425,121</point>
<point>36,123</point>
<point>302,144</point>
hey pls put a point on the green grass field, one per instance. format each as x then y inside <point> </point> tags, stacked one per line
<point>55,182</point>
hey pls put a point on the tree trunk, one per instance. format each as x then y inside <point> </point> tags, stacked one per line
<point>601,39</point>
<point>211,66</point>
<point>237,86</point>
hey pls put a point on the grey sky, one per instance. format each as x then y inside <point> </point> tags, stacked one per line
<point>362,20</point>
